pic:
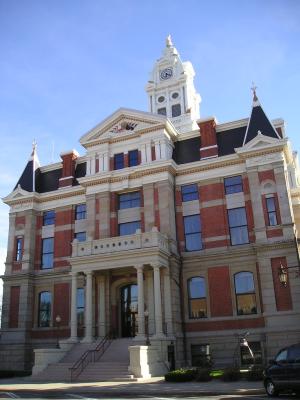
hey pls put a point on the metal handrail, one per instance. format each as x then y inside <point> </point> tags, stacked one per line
<point>90,356</point>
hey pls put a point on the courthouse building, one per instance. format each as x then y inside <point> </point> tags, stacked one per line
<point>169,225</point>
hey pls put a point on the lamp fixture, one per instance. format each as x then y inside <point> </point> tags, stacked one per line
<point>283,275</point>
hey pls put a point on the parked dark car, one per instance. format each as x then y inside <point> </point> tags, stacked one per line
<point>284,372</point>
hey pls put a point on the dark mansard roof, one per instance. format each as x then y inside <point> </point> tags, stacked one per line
<point>185,151</point>
<point>46,181</point>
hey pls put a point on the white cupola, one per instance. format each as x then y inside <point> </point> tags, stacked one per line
<point>171,90</point>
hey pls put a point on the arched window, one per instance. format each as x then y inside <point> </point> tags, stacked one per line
<point>197,297</point>
<point>245,293</point>
<point>44,316</point>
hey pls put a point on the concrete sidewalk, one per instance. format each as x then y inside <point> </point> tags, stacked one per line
<point>146,387</point>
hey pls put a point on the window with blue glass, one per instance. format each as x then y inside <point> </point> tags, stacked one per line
<point>192,232</point>
<point>197,297</point>
<point>189,192</point>
<point>44,313</point>
<point>238,226</point>
<point>19,248</point>
<point>271,209</point>
<point>80,236</point>
<point>49,217</point>
<point>129,200</point>
<point>133,158</point>
<point>47,253</point>
<point>80,211</point>
<point>245,293</point>
<point>80,306</point>
<point>119,161</point>
<point>129,228</point>
<point>234,184</point>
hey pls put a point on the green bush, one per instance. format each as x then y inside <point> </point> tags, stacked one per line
<point>203,375</point>
<point>255,373</point>
<point>180,375</point>
<point>231,374</point>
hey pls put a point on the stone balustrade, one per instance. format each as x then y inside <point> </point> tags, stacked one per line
<point>121,243</point>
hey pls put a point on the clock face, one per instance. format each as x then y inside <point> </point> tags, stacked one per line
<point>166,73</point>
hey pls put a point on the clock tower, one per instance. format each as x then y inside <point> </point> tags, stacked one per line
<point>171,90</point>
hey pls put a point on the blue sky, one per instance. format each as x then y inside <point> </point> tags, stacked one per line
<point>67,64</point>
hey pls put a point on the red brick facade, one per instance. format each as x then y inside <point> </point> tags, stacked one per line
<point>282,293</point>
<point>219,289</point>
<point>14,307</point>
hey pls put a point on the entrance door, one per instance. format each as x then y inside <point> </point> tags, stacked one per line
<point>129,309</point>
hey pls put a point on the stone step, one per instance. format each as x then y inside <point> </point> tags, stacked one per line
<point>112,365</point>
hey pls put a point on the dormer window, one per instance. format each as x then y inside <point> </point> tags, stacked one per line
<point>176,110</point>
<point>162,111</point>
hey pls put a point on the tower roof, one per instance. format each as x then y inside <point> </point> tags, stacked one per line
<point>28,177</point>
<point>259,123</point>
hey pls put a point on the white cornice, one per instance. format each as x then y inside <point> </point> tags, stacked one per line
<point>278,123</point>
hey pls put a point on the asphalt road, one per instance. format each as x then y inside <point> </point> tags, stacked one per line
<point>93,396</point>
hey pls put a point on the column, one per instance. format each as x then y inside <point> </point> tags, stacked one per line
<point>150,301</point>
<point>73,336</point>
<point>141,301</point>
<point>258,214</point>
<point>101,316</point>
<point>168,301</point>
<point>157,301</point>
<point>93,164</point>
<point>284,202</point>
<point>88,337</point>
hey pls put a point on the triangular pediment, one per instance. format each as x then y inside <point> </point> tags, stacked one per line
<point>260,142</point>
<point>123,122</point>
<point>17,194</point>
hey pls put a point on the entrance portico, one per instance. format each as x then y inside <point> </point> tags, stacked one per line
<point>106,276</point>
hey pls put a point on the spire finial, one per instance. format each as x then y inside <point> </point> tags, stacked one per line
<point>34,145</point>
<point>169,41</point>
<point>253,88</point>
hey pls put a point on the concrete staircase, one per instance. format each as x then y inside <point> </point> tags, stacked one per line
<point>112,366</point>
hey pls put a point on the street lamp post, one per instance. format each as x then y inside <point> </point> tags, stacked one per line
<point>146,314</point>
<point>58,321</point>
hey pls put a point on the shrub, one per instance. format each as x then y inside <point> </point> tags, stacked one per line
<point>203,375</point>
<point>255,373</point>
<point>180,375</point>
<point>231,374</point>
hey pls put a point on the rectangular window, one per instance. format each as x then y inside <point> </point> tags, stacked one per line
<point>47,253</point>
<point>80,306</point>
<point>119,161</point>
<point>234,184</point>
<point>133,158</point>
<point>44,317</point>
<point>129,228</point>
<point>129,200</point>
<point>197,297</point>
<point>80,236</point>
<point>251,354</point>
<point>238,226</point>
<point>49,217</point>
<point>19,249</point>
<point>192,232</point>
<point>271,209</point>
<point>176,110</point>
<point>80,211</point>
<point>200,355</point>
<point>189,192</point>
<point>162,111</point>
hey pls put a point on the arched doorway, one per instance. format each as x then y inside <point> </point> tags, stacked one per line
<point>129,309</point>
